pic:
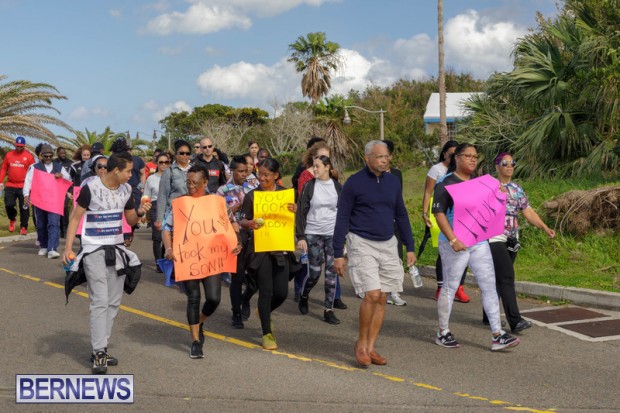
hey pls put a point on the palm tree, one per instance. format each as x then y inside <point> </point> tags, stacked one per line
<point>329,113</point>
<point>88,138</point>
<point>21,103</point>
<point>443,125</point>
<point>315,57</point>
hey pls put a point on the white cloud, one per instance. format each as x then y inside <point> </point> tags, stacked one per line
<point>209,16</point>
<point>160,113</point>
<point>82,112</point>
<point>116,13</point>
<point>477,44</point>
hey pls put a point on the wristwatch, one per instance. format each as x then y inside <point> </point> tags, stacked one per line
<point>452,242</point>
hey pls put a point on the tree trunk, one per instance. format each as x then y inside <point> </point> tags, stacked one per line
<point>443,127</point>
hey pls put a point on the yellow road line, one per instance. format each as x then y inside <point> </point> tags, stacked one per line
<point>245,344</point>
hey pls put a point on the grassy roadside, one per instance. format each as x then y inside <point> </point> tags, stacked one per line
<point>592,261</point>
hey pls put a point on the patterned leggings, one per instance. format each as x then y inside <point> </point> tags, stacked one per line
<point>317,246</point>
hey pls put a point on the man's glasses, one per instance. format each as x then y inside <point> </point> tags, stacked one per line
<point>101,166</point>
<point>184,153</point>
<point>207,147</point>
<point>506,163</point>
<point>164,162</point>
<point>47,156</point>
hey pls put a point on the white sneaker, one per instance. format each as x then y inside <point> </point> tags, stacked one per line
<point>43,251</point>
<point>53,254</point>
<point>394,299</point>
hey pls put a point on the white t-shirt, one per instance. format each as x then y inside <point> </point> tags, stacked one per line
<point>437,171</point>
<point>321,218</point>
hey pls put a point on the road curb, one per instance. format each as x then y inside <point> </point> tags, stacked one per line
<point>580,296</point>
<point>17,238</point>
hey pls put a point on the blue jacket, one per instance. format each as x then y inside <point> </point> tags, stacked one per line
<point>368,206</point>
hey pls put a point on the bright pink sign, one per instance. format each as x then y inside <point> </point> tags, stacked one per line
<point>479,209</point>
<point>76,193</point>
<point>48,192</point>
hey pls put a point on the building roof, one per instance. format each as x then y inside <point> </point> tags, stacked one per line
<point>454,107</point>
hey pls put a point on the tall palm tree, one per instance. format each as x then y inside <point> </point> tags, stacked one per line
<point>316,58</point>
<point>21,106</point>
<point>443,124</point>
<point>88,138</point>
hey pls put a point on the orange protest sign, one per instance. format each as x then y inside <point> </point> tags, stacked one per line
<point>203,238</point>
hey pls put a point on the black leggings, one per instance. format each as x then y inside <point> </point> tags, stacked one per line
<point>158,251</point>
<point>213,294</point>
<point>439,273</point>
<point>272,283</point>
<point>236,286</point>
<point>503,262</point>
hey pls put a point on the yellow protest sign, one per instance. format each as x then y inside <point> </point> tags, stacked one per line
<point>203,238</point>
<point>435,228</point>
<point>278,230</point>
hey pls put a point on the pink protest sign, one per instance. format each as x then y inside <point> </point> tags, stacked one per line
<point>76,193</point>
<point>479,209</point>
<point>48,192</point>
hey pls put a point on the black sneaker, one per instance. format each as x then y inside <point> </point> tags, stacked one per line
<point>447,340</point>
<point>100,362</point>
<point>303,304</point>
<point>245,311</point>
<point>201,334</point>
<point>237,321</point>
<point>339,304</point>
<point>330,317</point>
<point>503,341</point>
<point>196,351</point>
<point>112,361</point>
<point>522,325</point>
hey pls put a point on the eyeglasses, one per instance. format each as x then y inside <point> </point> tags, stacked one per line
<point>101,166</point>
<point>47,156</point>
<point>197,147</point>
<point>164,162</point>
<point>194,184</point>
<point>207,147</point>
<point>468,155</point>
<point>506,163</point>
<point>184,153</point>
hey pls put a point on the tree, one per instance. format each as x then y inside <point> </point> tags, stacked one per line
<point>441,77</point>
<point>315,57</point>
<point>88,138</point>
<point>290,129</point>
<point>21,106</point>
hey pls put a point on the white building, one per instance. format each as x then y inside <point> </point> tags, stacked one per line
<point>455,110</point>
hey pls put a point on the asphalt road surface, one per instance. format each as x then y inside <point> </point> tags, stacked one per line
<point>312,371</point>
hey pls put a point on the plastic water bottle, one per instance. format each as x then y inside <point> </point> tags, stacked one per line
<point>67,266</point>
<point>304,258</point>
<point>414,273</point>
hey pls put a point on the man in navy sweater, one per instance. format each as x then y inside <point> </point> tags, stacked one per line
<point>370,202</point>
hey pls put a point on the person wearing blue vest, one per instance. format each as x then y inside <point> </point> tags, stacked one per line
<point>48,223</point>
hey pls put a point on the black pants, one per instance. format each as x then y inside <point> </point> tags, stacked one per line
<point>236,286</point>
<point>11,198</point>
<point>158,251</point>
<point>439,273</point>
<point>272,281</point>
<point>64,220</point>
<point>503,262</point>
<point>213,294</point>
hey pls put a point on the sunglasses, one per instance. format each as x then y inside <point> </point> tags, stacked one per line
<point>184,153</point>
<point>47,156</point>
<point>197,147</point>
<point>207,147</point>
<point>101,166</point>
<point>506,163</point>
<point>163,162</point>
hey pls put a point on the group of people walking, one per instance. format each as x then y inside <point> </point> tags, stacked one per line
<point>359,227</point>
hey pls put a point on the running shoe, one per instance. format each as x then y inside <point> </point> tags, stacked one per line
<point>330,317</point>
<point>269,342</point>
<point>503,341</point>
<point>12,226</point>
<point>460,295</point>
<point>394,299</point>
<point>100,362</point>
<point>447,340</point>
<point>112,361</point>
<point>196,350</point>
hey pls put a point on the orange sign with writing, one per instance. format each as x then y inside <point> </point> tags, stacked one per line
<point>202,238</point>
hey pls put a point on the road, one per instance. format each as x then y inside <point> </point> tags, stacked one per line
<point>313,369</point>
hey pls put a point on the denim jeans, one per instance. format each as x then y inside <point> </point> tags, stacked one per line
<point>48,229</point>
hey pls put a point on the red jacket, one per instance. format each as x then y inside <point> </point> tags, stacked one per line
<point>15,167</point>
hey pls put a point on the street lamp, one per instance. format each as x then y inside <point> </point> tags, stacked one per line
<point>347,119</point>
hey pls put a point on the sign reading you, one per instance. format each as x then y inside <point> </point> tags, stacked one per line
<point>278,230</point>
<point>203,238</point>
<point>479,209</point>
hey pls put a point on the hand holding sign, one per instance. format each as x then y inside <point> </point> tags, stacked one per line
<point>479,209</point>
<point>276,210</point>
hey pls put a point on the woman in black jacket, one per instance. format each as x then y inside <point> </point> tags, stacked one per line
<point>314,229</point>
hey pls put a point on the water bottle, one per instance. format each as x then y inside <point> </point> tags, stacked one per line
<point>304,258</point>
<point>414,273</point>
<point>67,266</point>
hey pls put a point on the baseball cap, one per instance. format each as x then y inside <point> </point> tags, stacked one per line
<point>20,141</point>
<point>96,147</point>
<point>46,149</point>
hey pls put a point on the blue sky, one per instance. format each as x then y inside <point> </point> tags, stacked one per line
<point>127,64</point>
